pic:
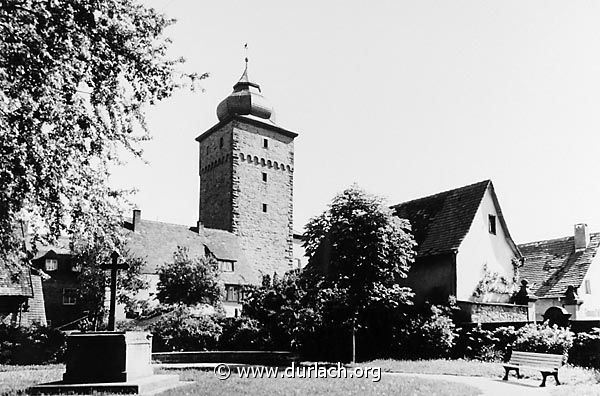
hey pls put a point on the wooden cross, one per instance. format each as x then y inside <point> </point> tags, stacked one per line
<point>114,267</point>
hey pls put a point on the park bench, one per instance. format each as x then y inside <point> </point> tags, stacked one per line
<point>547,363</point>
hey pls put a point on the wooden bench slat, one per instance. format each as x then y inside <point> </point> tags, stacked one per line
<point>525,361</point>
<point>516,353</point>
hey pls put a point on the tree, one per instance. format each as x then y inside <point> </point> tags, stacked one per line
<point>189,281</point>
<point>362,252</point>
<point>75,78</point>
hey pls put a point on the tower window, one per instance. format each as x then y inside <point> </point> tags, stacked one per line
<point>266,143</point>
<point>207,148</point>
<point>265,208</point>
<point>264,176</point>
<point>221,142</point>
<point>492,224</point>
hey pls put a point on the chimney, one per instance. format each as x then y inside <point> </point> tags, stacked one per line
<point>137,217</point>
<point>582,236</point>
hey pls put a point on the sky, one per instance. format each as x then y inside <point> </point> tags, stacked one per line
<point>404,98</point>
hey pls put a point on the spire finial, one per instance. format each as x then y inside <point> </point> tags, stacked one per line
<point>246,51</point>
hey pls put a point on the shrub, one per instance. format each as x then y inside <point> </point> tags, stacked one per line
<point>476,343</point>
<point>428,336</point>
<point>486,345</point>
<point>242,334</point>
<point>181,330</point>
<point>31,345</point>
<point>586,349</point>
<point>544,339</point>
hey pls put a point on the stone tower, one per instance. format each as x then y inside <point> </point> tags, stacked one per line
<point>246,177</point>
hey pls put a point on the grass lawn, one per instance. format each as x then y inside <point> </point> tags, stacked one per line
<point>15,379</point>
<point>576,380</point>
<point>582,382</point>
<point>568,375</point>
<point>205,383</point>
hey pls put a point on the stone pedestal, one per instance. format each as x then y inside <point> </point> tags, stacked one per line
<point>109,362</point>
<point>109,356</point>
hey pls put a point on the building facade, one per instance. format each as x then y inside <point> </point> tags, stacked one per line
<point>246,166</point>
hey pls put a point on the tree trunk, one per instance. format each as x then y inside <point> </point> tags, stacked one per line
<point>353,343</point>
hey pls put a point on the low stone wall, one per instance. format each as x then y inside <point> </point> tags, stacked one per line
<point>476,312</point>
<point>267,358</point>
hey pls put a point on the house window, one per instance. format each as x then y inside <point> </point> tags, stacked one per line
<point>265,208</point>
<point>492,224</point>
<point>76,267</point>
<point>51,264</point>
<point>265,143</point>
<point>264,176</point>
<point>226,266</point>
<point>69,296</point>
<point>221,143</point>
<point>588,287</point>
<point>233,294</point>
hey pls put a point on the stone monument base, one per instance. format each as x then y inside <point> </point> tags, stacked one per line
<point>147,385</point>
<point>109,362</point>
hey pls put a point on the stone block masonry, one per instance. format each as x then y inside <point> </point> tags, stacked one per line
<point>246,187</point>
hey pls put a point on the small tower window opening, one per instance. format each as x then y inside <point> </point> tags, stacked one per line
<point>266,143</point>
<point>265,208</point>
<point>264,176</point>
<point>221,142</point>
<point>492,224</point>
<point>207,149</point>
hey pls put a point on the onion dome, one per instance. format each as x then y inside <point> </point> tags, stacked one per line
<point>246,99</point>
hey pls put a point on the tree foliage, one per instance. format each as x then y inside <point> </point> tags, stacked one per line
<point>75,77</point>
<point>189,280</point>
<point>363,251</point>
<point>358,254</point>
<point>287,307</point>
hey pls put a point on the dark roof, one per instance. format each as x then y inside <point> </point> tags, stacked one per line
<point>441,221</point>
<point>551,266</point>
<point>156,242</point>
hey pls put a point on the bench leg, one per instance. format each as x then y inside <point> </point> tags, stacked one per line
<point>508,370</point>
<point>556,378</point>
<point>544,375</point>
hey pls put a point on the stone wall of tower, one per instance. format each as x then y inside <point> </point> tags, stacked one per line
<point>266,237</point>
<point>216,179</point>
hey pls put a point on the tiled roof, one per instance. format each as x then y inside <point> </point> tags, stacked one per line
<point>156,242</point>
<point>15,279</point>
<point>441,221</point>
<point>551,266</point>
